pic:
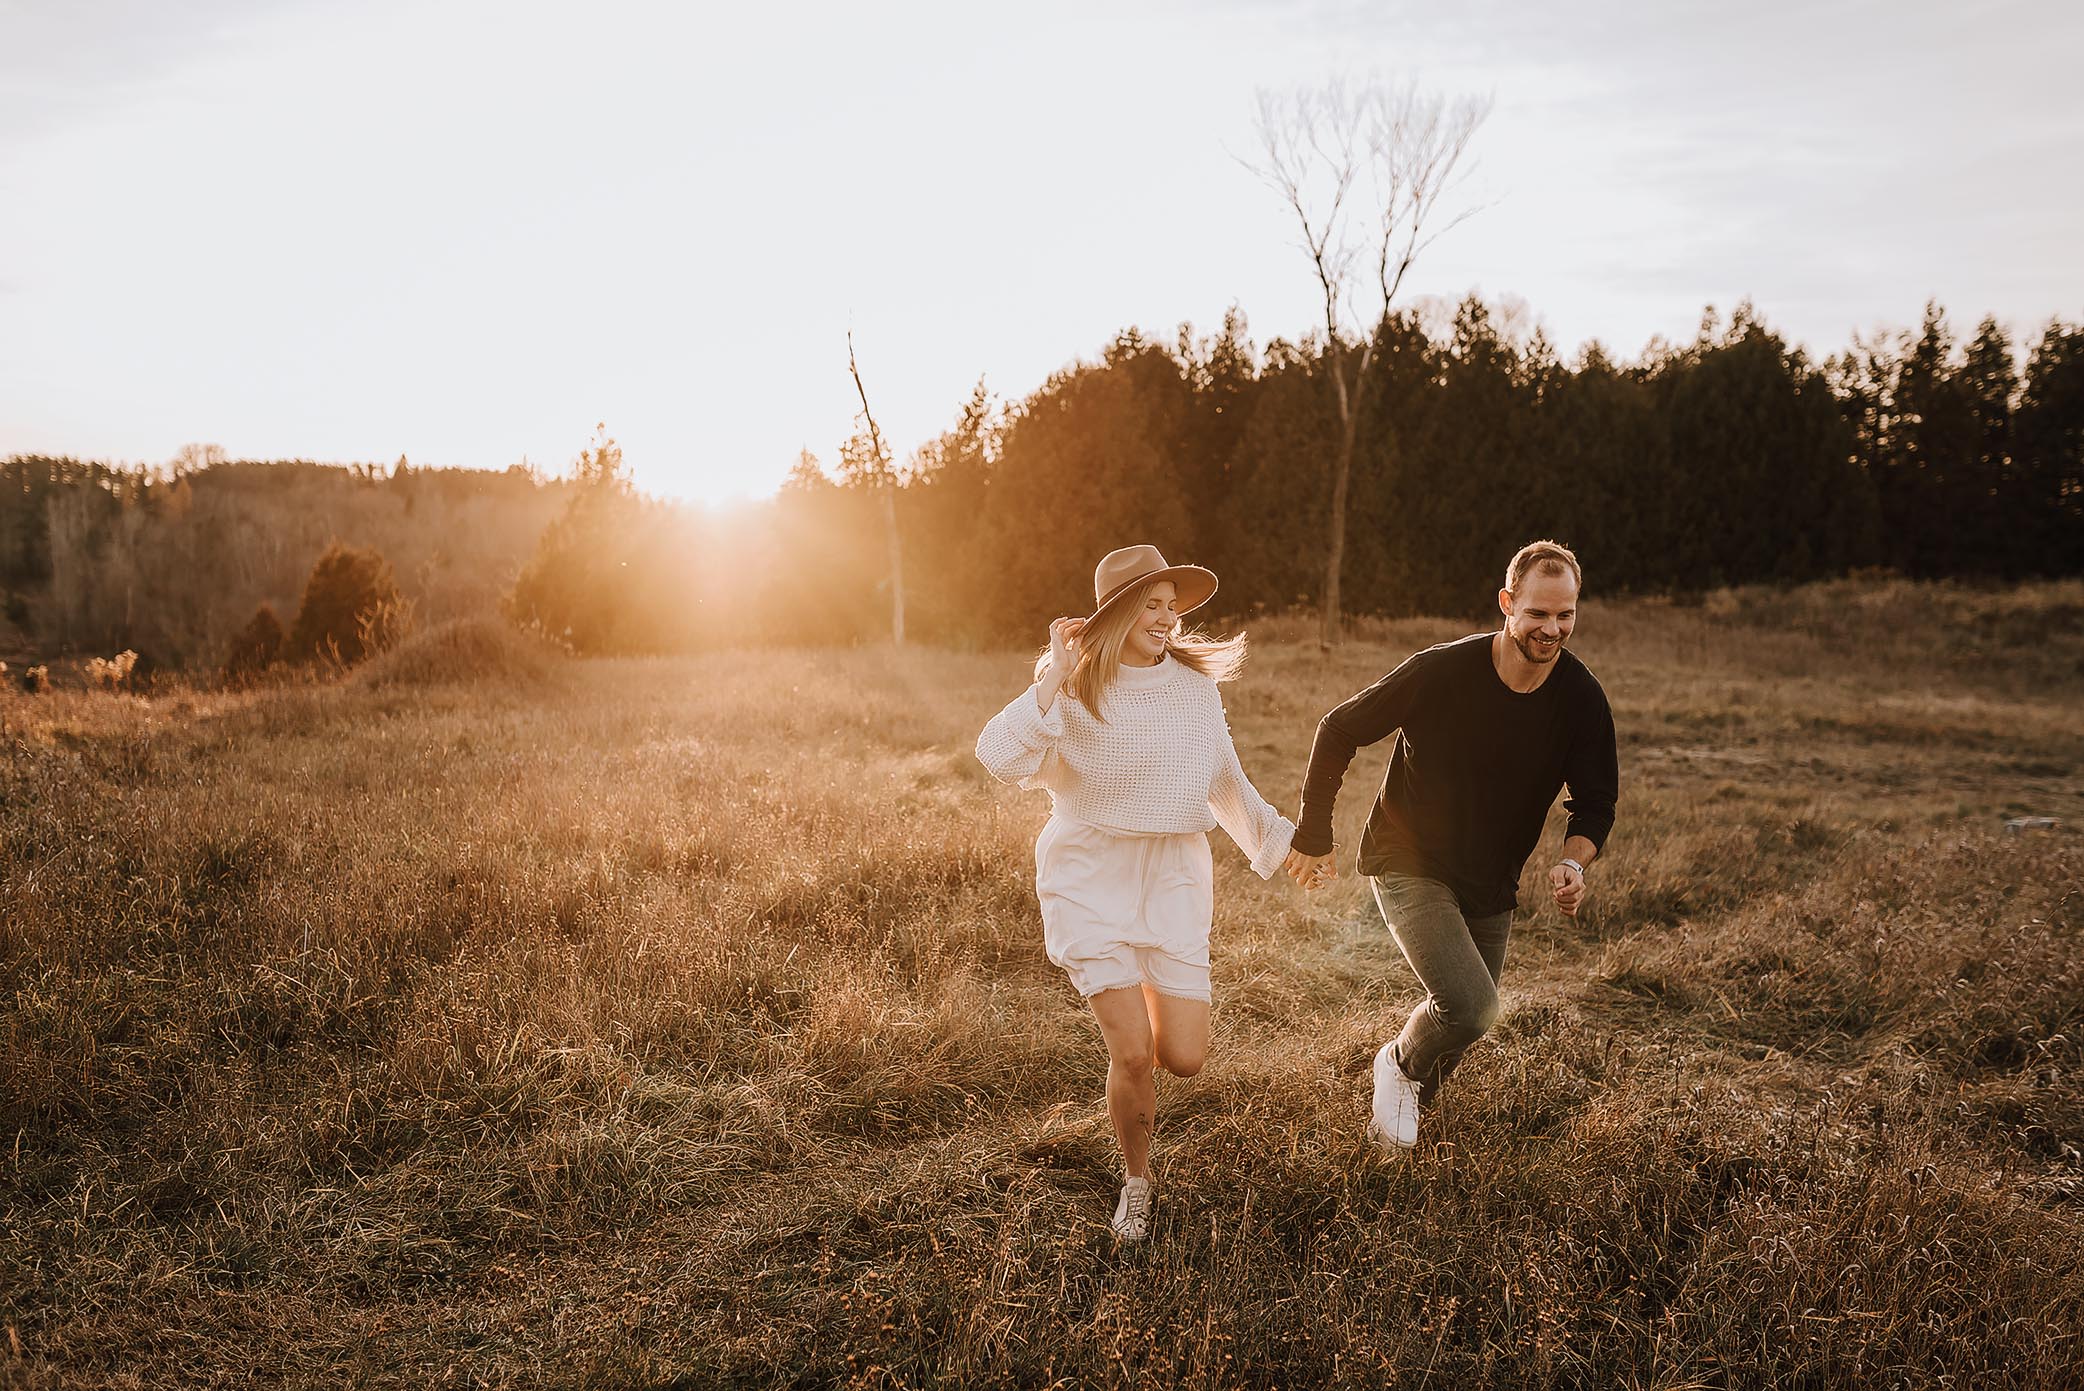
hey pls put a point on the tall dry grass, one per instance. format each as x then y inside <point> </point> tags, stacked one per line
<point>503,1020</point>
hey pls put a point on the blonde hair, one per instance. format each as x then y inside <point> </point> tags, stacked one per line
<point>1542,558</point>
<point>1100,652</point>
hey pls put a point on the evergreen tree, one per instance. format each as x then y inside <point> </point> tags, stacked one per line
<point>818,579</point>
<point>1759,451</point>
<point>1994,506</point>
<point>1606,447</point>
<point>351,609</point>
<point>1932,484</point>
<point>946,491</point>
<point>1090,463</point>
<point>2048,443</point>
<point>1268,544</point>
<point>578,588</point>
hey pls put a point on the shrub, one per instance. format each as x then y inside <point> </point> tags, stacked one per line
<point>591,583</point>
<point>482,649</point>
<point>256,646</point>
<point>351,609</point>
<point>111,673</point>
<point>36,680</point>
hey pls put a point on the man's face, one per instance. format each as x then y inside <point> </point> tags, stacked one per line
<point>1539,618</point>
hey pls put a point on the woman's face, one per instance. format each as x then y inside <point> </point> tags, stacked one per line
<point>1152,627</point>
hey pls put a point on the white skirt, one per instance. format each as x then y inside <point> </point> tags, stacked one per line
<point>1124,910</point>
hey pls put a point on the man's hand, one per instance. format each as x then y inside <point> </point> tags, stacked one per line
<point>1311,871</point>
<point>1567,885</point>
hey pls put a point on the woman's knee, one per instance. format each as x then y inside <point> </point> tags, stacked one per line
<point>1133,1056</point>
<point>1182,1061</point>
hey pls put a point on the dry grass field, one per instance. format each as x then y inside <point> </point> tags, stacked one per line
<point>488,1019</point>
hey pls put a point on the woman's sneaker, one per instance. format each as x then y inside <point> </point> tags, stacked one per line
<point>1394,1125</point>
<point>1132,1215</point>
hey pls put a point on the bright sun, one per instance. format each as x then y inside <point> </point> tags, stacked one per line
<point>714,489</point>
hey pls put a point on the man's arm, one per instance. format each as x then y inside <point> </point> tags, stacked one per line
<point>1368,717</point>
<point>1593,775</point>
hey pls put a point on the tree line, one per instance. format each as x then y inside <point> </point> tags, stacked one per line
<point>1731,459</point>
<point>173,562</point>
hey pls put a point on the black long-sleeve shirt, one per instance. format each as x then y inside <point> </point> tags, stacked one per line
<point>1475,768</point>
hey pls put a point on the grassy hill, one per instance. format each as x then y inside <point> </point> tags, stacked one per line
<point>500,1020</point>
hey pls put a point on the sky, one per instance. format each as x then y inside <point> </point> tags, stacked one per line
<point>468,233</point>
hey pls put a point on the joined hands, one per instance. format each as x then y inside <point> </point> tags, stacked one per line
<point>1311,871</point>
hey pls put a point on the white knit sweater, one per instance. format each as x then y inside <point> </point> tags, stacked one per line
<point>1162,762</point>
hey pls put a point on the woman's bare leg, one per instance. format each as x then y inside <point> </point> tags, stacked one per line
<point>1132,1090</point>
<point>1179,1029</point>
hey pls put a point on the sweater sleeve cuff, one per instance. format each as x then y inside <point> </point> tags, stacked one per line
<point>1274,849</point>
<point>1036,729</point>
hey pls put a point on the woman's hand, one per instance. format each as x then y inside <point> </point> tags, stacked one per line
<point>1311,871</point>
<point>1063,646</point>
<point>1063,655</point>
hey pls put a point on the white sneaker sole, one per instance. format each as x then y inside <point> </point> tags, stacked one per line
<point>1388,1143</point>
<point>1381,1128</point>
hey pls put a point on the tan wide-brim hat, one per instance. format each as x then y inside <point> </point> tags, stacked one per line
<point>1121,572</point>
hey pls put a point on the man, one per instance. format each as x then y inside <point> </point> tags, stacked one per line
<point>1489,728</point>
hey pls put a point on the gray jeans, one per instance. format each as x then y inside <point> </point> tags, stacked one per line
<point>1457,960</point>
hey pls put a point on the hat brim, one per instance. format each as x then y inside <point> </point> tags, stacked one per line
<point>1195,586</point>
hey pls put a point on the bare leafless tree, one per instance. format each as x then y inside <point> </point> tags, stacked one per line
<point>883,478</point>
<point>1363,171</point>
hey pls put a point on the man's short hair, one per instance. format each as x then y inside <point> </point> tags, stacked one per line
<point>1542,557</point>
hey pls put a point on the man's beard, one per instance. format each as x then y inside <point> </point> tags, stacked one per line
<point>1535,654</point>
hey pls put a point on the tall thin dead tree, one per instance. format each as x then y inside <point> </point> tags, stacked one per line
<point>883,478</point>
<point>1363,172</point>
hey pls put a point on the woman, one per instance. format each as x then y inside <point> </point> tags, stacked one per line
<point>1125,727</point>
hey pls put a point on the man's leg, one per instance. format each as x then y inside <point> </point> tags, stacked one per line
<point>1461,981</point>
<point>1489,934</point>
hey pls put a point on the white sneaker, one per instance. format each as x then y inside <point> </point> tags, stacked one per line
<point>1132,1215</point>
<point>1394,1125</point>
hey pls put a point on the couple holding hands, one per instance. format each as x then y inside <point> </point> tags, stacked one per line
<point>1124,727</point>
